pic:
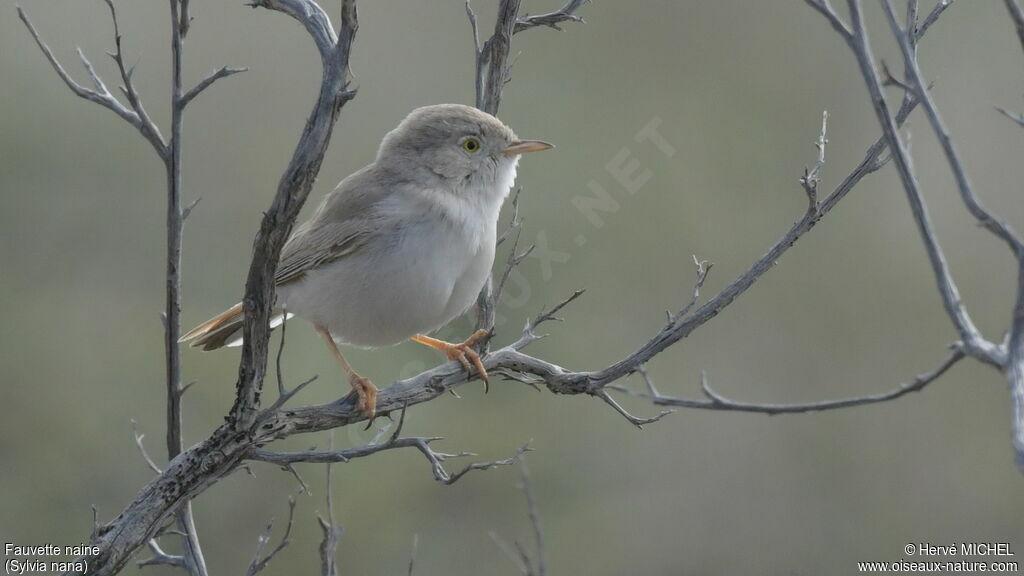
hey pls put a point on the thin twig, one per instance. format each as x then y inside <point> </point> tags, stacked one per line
<point>142,449</point>
<point>531,509</point>
<point>1017,15</point>
<point>974,343</point>
<point>515,258</point>
<point>100,95</point>
<point>716,401</point>
<point>551,19</point>
<point>529,330</point>
<point>967,194</point>
<point>205,83</point>
<point>260,561</point>
<point>330,528</point>
<point>187,210</point>
<point>703,269</point>
<point>524,561</point>
<point>420,443</point>
<point>1015,116</point>
<point>826,10</point>
<point>146,125</point>
<point>412,555</point>
<point>160,557</point>
<point>811,177</point>
<point>512,553</point>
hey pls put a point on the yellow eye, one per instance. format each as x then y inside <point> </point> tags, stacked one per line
<point>471,145</point>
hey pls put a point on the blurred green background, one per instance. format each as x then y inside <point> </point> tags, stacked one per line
<point>738,88</point>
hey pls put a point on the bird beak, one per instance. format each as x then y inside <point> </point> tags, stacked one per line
<point>523,146</point>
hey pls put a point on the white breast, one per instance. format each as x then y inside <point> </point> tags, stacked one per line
<point>414,279</point>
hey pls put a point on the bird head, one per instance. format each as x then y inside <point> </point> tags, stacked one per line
<point>464,149</point>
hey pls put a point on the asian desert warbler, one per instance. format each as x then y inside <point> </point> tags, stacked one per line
<point>400,247</point>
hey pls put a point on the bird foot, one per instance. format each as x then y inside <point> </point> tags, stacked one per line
<point>468,357</point>
<point>366,392</point>
<point>464,353</point>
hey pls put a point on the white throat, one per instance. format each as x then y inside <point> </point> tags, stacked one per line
<point>475,207</point>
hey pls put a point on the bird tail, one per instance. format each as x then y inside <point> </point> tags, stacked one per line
<point>224,329</point>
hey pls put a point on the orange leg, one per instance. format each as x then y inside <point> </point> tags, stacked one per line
<point>464,352</point>
<point>361,387</point>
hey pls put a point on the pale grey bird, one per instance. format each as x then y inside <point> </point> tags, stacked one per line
<point>401,247</point>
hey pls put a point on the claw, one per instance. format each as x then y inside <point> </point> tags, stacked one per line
<point>469,359</point>
<point>464,353</point>
<point>366,392</point>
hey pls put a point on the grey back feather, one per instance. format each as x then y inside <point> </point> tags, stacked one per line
<point>342,223</point>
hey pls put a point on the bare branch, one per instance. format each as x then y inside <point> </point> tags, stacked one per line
<point>1017,15</point>
<point>931,18</point>
<point>515,222</point>
<point>551,19</point>
<point>716,401</point>
<point>974,343</point>
<point>491,74</point>
<point>192,551</point>
<point>531,509</point>
<point>145,124</point>
<point>496,52</point>
<point>511,362</point>
<point>311,16</point>
<point>890,79</point>
<point>1014,368</point>
<point>513,554</point>
<point>292,191</point>
<point>142,449</point>
<point>970,199</point>
<point>160,557</point>
<point>420,443</point>
<point>529,335</point>
<point>515,258</point>
<point>1015,341</point>
<point>478,58</point>
<point>810,179</point>
<point>187,211</point>
<point>703,269</point>
<point>205,83</point>
<point>185,19</point>
<point>100,95</point>
<point>412,556</point>
<point>259,561</point>
<point>221,453</point>
<point>281,390</point>
<point>330,528</point>
<point>442,476</point>
<point>523,560</point>
<point>635,421</point>
<point>248,427</point>
<point>682,327</point>
<point>825,8</point>
<point>1015,116</point>
<point>491,67</point>
<point>913,6</point>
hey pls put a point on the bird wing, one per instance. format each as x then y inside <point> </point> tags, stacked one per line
<point>346,219</point>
